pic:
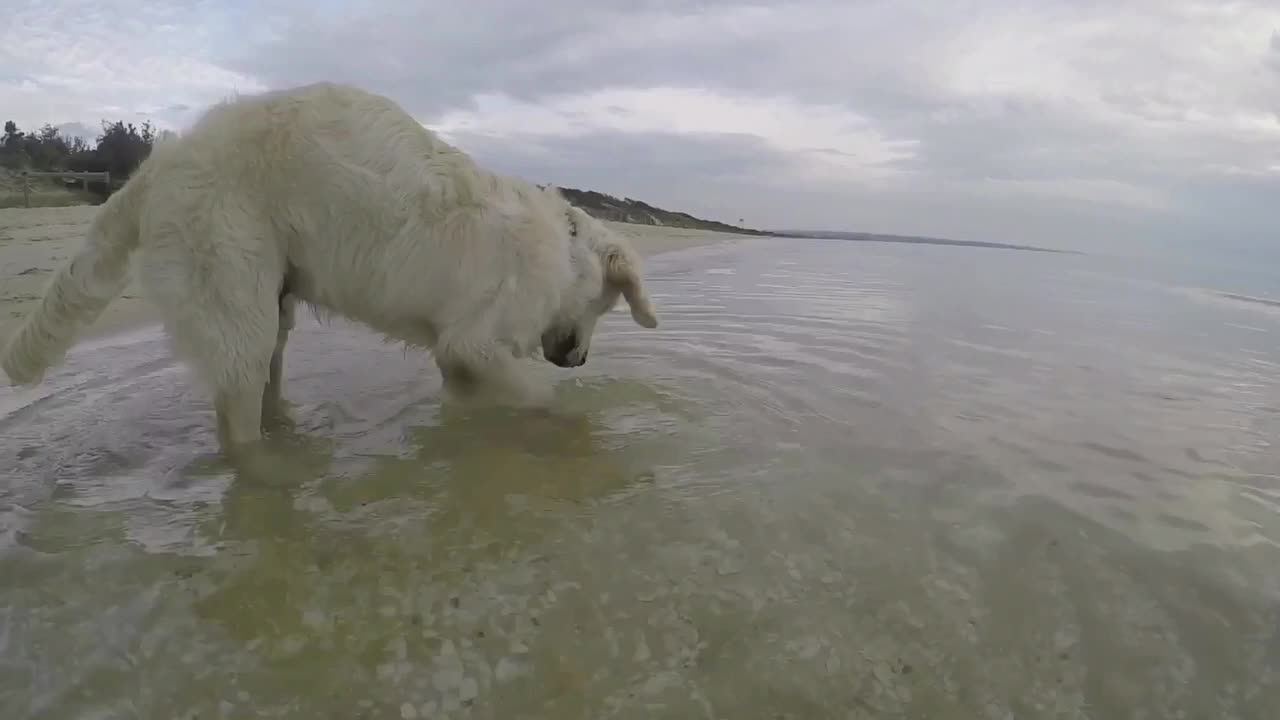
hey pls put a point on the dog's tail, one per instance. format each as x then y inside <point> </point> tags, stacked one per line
<point>80,289</point>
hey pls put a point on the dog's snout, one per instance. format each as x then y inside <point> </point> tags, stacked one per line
<point>566,353</point>
<point>568,361</point>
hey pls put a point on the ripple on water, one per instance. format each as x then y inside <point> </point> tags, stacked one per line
<point>839,480</point>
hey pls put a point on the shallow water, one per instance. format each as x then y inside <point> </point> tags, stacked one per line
<point>841,481</point>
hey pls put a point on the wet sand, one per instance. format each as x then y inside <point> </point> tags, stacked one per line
<point>33,242</point>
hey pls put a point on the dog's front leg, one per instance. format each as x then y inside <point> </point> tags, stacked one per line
<point>475,372</point>
<point>459,382</point>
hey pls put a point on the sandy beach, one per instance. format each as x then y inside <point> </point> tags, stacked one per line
<point>33,242</point>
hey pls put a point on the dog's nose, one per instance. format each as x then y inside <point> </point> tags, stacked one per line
<point>568,357</point>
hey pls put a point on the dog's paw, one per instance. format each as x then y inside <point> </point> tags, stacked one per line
<point>278,419</point>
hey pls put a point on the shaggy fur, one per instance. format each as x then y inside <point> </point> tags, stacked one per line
<point>336,197</point>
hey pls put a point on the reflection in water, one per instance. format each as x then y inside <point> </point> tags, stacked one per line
<point>852,483</point>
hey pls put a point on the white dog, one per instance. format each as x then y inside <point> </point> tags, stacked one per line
<point>336,197</point>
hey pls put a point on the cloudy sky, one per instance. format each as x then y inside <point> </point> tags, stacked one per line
<point>1051,121</point>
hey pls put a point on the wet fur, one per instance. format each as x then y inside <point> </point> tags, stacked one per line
<point>336,197</point>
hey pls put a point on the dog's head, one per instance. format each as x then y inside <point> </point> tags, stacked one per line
<point>605,268</point>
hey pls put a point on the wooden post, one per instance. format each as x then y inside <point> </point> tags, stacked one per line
<point>26,190</point>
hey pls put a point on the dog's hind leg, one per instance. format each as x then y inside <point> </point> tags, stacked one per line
<point>221,311</point>
<point>242,341</point>
<point>275,410</point>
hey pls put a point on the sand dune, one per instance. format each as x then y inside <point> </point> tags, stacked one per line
<point>33,242</point>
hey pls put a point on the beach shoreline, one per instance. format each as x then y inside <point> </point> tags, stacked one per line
<point>35,241</point>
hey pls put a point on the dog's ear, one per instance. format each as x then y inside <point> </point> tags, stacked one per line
<point>622,271</point>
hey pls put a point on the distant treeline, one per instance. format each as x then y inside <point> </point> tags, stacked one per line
<point>119,150</point>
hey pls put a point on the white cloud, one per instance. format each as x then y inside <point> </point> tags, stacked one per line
<point>1099,192</point>
<point>1147,111</point>
<point>1168,75</point>
<point>826,139</point>
<point>82,61</point>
